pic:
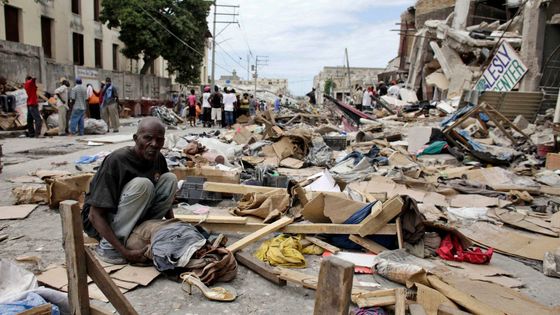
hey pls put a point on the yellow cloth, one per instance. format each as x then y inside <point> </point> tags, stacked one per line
<point>286,251</point>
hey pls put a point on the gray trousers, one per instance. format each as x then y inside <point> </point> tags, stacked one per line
<point>140,201</point>
<point>62,121</point>
<point>110,114</point>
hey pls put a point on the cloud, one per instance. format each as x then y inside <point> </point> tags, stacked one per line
<point>301,37</point>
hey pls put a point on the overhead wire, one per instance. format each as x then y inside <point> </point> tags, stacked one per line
<point>178,38</point>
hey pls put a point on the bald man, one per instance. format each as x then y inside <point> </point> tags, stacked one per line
<point>132,185</point>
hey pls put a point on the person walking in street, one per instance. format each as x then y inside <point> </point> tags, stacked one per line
<point>34,121</point>
<point>216,103</point>
<point>277,103</point>
<point>191,103</point>
<point>110,106</point>
<point>206,107</point>
<point>229,105</point>
<point>62,100</point>
<point>252,106</point>
<point>78,95</point>
<point>93,102</point>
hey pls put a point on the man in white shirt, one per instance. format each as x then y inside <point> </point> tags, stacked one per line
<point>229,106</point>
<point>366,98</point>
<point>394,90</point>
<point>62,106</point>
<point>206,107</point>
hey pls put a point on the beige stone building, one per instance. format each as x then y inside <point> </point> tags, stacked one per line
<point>339,75</point>
<point>69,31</point>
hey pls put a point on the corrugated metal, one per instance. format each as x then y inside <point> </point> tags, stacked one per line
<point>511,104</point>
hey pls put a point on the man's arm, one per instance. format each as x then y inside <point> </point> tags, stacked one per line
<point>98,218</point>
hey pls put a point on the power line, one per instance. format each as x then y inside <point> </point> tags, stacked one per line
<point>177,37</point>
<point>225,52</point>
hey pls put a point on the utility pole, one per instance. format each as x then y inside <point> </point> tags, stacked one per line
<point>233,15</point>
<point>259,61</point>
<point>348,69</point>
<point>248,67</point>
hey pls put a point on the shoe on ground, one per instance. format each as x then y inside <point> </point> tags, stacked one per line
<point>110,255</point>
<point>116,130</point>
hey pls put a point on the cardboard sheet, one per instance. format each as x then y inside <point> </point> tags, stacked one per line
<point>325,183</point>
<point>330,208</point>
<point>55,277</point>
<point>509,241</point>
<point>417,137</point>
<point>476,201</point>
<point>140,275</point>
<point>523,221</point>
<point>291,163</point>
<point>16,212</point>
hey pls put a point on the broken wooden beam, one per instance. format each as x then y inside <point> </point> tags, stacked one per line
<point>298,228</point>
<point>260,233</point>
<point>376,220</point>
<point>384,297</point>
<point>229,219</point>
<point>263,269</point>
<point>334,288</point>
<point>368,244</point>
<point>73,243</point>
<point>324,245</point>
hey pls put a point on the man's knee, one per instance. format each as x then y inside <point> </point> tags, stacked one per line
<point>167,183</point>
<point>139,185</point>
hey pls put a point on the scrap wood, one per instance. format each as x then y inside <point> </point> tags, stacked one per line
<point>334,287</point>
<point>263,269</point>
<point>253,237</point>
<point>324,245</point>
<point>43,309</point>
<point>298,228</point>
<point>368,244</point>
<point>383,297</point>
<point>16,212</point>
<point>462,298</point>
<point>431,299</point>
<point>375,221</point>
<point>238,188</point>
<point>211,219</point>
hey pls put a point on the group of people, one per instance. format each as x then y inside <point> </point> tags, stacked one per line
<point>215,108</point>
<point>364,98</point>
<point>72,105</point>
<point>78,100</point>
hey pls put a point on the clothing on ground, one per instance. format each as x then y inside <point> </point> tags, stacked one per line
<point>286,251</point>
<point>174,245</point>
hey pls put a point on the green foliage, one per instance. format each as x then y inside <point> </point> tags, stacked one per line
<point>143,36</point>
<point>329,85</point>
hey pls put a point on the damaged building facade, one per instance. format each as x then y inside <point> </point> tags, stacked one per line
<point>360,76</point>
<point>445,46</point>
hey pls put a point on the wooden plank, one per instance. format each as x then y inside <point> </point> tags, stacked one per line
<point>263,269</point>
<point>416,309</point>
<point>44,309</point>
<point>462,298</point>
<point>193,218</point>
<point>384,297</point>
<point>324,245</point>
<point>374,222</point>
<point>73,243</point>
<point>238,188</point>
<point>96,310</point>
<point>107,286</point>
<point>400,301</point>
<point>370,245</point>
<point>449,310</point>
<point>255,236</point>
<point>305,228</point>
<point>400,238</point>
<point>334,288</point>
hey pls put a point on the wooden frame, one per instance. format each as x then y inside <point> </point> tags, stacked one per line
<point>81,262</point>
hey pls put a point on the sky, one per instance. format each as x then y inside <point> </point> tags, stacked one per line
<point>301,37</point>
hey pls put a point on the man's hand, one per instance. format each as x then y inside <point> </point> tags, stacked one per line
<point>136,255</point>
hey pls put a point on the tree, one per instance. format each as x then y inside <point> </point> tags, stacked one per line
<point>329,86</point>
<point>145,29</point>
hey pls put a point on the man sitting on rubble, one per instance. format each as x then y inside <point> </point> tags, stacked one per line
<point>132,185</point>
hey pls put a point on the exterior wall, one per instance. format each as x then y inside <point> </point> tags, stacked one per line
<point>65,23</point>
<point>358,75</point>
<point>432,10</point>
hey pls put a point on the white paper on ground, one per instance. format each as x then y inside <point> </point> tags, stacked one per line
<point>358,259</point>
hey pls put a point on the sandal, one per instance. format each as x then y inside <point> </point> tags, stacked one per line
<point>215,294</point>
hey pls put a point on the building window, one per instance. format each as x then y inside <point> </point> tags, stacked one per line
<point>11,18</point>
<point>76,6</point>
<point>46,36</point>
<point>78,47</point>
<point>96,10</point>
<point>115,57</point>
<point>98,53</point>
